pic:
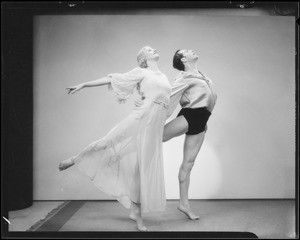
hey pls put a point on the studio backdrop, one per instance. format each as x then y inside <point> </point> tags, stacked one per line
<point>249,149</point>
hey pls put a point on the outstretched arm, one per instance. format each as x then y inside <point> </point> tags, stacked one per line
<point>94,83</point>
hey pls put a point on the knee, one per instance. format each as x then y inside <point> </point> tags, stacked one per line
<point>100,145</point>
<point>187,166</point>
<point>184,170</point>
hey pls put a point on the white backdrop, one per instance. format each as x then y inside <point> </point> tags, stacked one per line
<point>249,150</point>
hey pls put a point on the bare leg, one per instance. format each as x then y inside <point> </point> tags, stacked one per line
<point>66,164</point>
<point>192,147</point>
<point>136,215</point>
<point>175,128</point>
<point>97,145</point>
<point>132,215</point>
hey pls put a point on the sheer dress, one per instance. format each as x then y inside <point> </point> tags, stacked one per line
<point>127,163</point>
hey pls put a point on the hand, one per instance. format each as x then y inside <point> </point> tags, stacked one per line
<point>138,102</point>
<point>74,89</point>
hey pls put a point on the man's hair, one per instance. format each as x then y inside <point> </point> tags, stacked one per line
<point>177,63</point>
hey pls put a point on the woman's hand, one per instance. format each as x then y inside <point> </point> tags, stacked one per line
<point>138,102</point>
<point>74,89</point>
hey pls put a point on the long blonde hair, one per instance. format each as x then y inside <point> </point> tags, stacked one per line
<point>141,58</point>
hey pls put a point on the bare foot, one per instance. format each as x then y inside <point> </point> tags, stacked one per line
<point>135,215</point>
<point>142,229</point>
<point>66,164</point>
<point>140,225</point>
<point>188,212</point>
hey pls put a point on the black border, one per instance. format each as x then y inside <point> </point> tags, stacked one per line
<point>17,100</point>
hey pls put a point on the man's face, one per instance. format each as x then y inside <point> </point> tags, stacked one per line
<point>189,55</point>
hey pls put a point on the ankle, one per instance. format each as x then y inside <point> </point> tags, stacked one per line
<point>184,204</point>
<point>140,222</point>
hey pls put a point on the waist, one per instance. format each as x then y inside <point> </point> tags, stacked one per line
<point>208,103</point>
<point>197,110</point>
<point>162,103</point>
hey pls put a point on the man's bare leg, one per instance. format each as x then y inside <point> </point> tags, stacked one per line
<point>175,128</point>
<point>192,147</point>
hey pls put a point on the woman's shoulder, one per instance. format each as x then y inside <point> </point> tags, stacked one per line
<point>137,71</point>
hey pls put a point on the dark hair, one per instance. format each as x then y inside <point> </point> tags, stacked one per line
<point>177,61</point>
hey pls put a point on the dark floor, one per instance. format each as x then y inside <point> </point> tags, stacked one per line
<point>265,218</point>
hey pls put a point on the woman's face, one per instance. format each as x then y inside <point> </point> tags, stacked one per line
<point>190,55</point>
<point>151,53</point>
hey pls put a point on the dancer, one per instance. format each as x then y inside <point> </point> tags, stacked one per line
<point>196,96</point>
<point>127,163</point>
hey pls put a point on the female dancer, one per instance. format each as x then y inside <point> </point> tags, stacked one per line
<point>127,163</point>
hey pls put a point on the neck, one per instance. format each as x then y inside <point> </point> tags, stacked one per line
<point>152,65</point>
<point>191,67</point>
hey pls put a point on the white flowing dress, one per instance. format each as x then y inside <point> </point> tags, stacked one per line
<point>127,163</point>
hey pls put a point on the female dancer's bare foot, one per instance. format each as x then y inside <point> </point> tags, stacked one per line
<point>140,224</point>
<point>188,212</point>
<point>66,164</point>
<point>135,215</point>
<point>132,216</point>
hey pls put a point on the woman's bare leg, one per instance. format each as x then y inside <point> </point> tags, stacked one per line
<point>136,215</point>
<point>97,145</point>
<point>112,136</point>
<point>192,145</point>
<point>66,164</point>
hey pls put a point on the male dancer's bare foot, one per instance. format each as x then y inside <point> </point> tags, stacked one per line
<point>66,164</point>
<point>188,212</point>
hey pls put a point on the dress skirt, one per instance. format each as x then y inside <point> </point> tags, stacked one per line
<point>127,163</point>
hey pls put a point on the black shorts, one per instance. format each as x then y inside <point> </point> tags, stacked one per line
<point>196,118</point>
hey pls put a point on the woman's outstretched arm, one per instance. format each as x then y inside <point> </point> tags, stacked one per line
<point>94,83</point>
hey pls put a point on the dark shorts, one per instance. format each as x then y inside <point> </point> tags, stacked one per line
<point>196,118</point>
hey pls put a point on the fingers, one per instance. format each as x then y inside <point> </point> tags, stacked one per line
<point>71,90</point>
